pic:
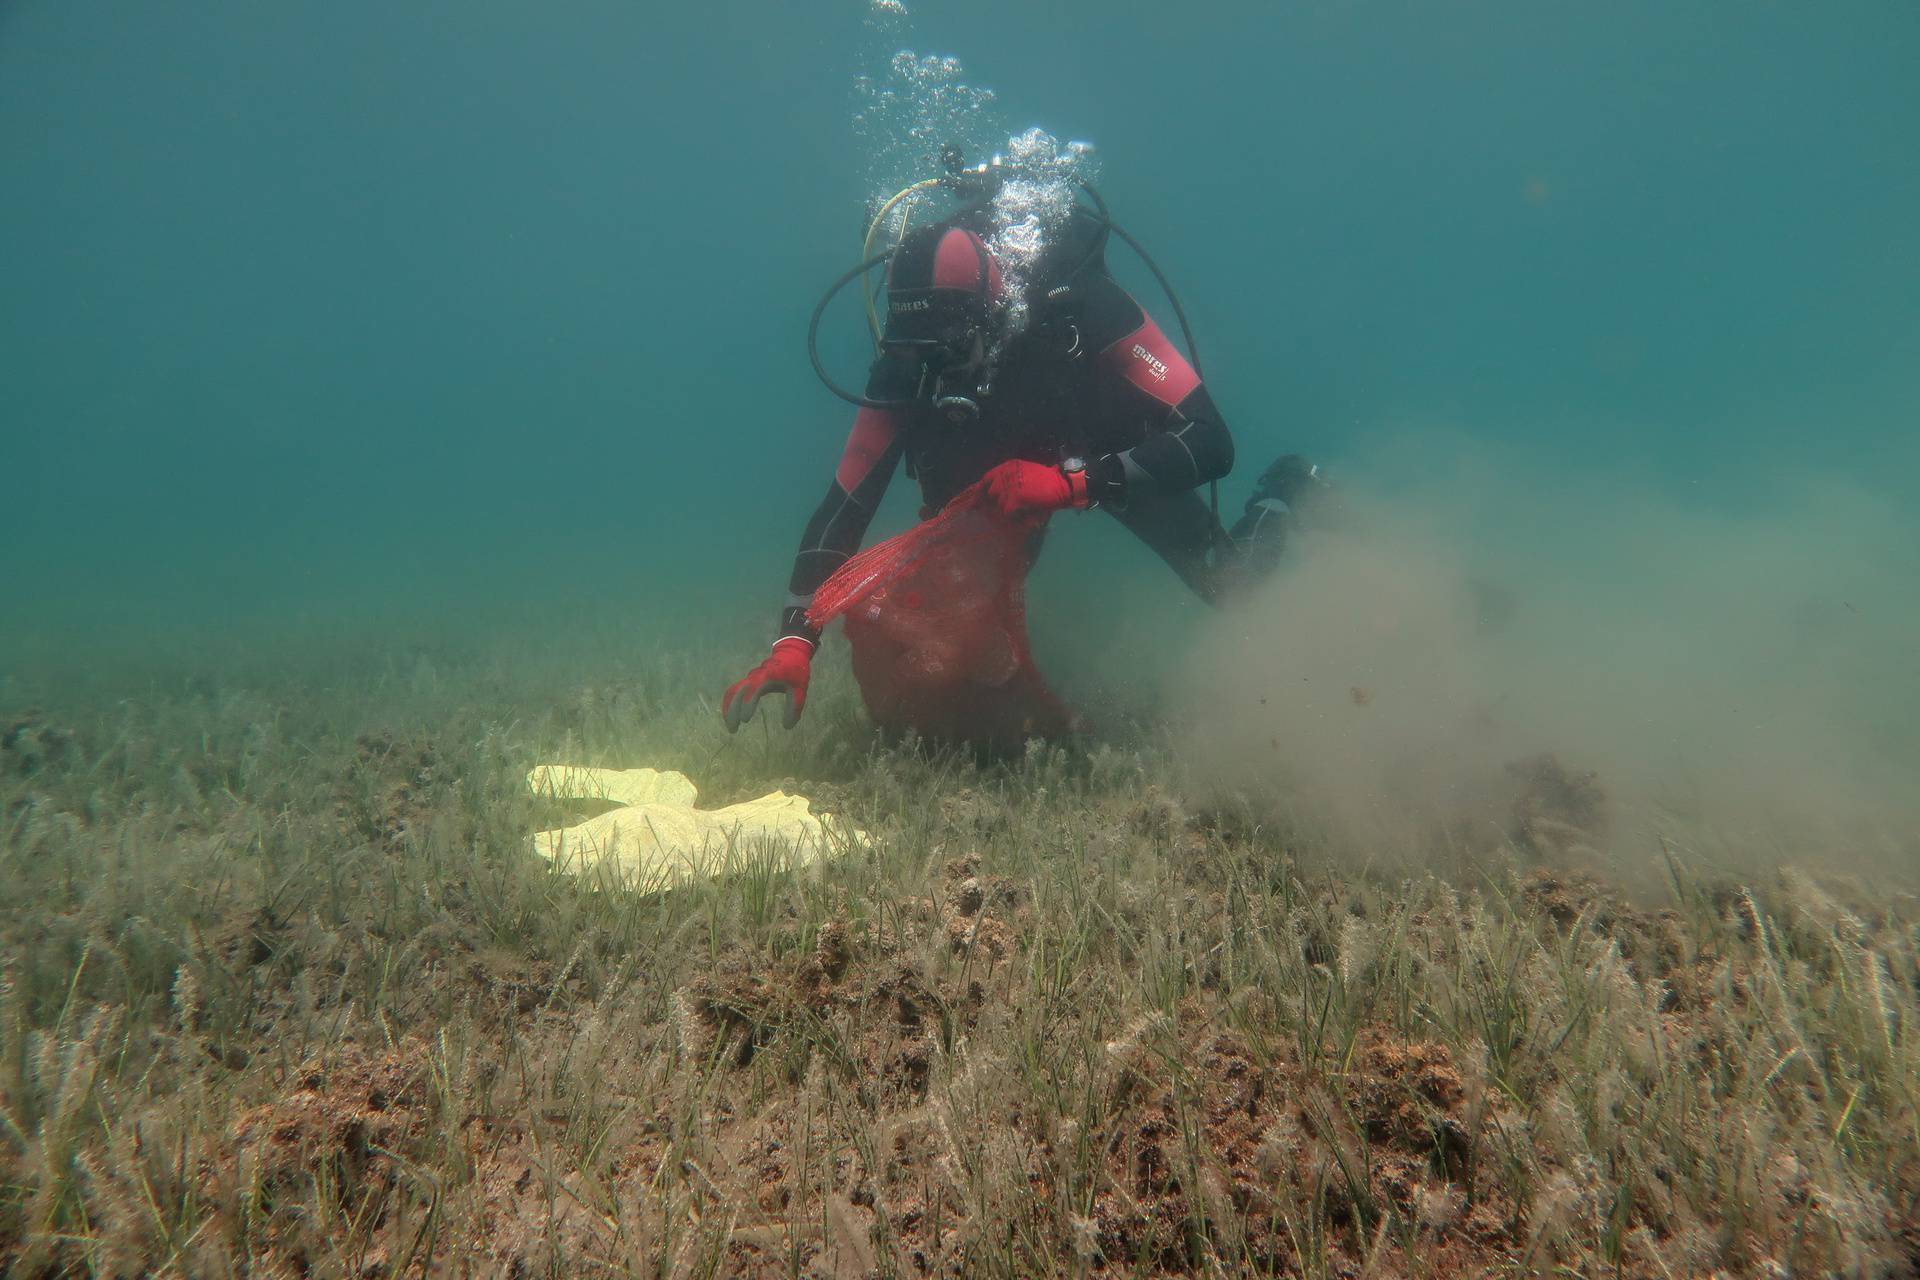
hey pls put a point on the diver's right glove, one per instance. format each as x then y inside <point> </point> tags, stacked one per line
<point>785,671</point>
<point>1018,487</point>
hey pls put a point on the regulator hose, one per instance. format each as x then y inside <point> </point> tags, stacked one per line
<point>813,336</point>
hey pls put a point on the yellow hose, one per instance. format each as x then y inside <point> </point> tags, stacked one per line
<point>866,246</point>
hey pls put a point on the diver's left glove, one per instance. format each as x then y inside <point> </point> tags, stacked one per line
<point>785,671</point>
<point>1016,487</point>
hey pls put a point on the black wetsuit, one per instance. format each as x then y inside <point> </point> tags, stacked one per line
<point>1091,376</point>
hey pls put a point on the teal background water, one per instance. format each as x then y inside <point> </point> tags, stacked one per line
<point>465,313</point>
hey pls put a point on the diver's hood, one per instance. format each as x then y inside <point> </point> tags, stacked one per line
<point>943,286</point>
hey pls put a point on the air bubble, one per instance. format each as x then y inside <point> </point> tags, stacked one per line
<point>908,116</point>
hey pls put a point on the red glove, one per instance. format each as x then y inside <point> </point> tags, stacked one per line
<point>1015,488</point>
<point>785,671</point>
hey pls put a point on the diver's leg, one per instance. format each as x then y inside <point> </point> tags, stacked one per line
<point>1219,565</point>
<point>1289,494</point>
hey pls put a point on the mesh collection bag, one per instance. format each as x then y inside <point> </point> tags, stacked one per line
<point>937,620</point>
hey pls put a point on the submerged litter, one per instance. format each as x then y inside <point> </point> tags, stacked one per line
<point>656,839</point>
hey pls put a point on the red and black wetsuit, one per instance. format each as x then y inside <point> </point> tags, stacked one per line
<point>1091,375</point>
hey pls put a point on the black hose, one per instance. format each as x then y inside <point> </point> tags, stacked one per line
<point>813,336</point>
<point>1179,312</point>
<point>1218,533</point>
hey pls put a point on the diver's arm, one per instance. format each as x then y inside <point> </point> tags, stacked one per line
<point>840,522</point>
<point>1187,442</point>
<point>1192,449</point>
<point>834,533</point>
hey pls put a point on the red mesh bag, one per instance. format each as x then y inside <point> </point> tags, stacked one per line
<point>937,619</point>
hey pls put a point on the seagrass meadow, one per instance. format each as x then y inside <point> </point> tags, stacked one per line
<point>1514,876</point>
<point>286,992</point>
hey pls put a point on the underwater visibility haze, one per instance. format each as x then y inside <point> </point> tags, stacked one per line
<point>341,329</point>
<point>399,310</point>
<point>404,403</point>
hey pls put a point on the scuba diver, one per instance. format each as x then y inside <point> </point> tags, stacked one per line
<point>1062,394</point>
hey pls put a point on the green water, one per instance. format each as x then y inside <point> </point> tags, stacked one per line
<point>447,323</point>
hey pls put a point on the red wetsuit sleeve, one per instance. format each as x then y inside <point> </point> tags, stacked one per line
<point>840,522</point>
<point>1187,442</point>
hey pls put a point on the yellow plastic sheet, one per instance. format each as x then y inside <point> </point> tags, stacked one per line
<point>656,838</point>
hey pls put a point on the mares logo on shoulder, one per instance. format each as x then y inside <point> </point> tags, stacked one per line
<point>914,304</point>
<point>1137,357</point>
<point>1156,367</point>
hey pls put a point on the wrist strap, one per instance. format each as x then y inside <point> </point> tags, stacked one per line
<point>1077,487</point>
